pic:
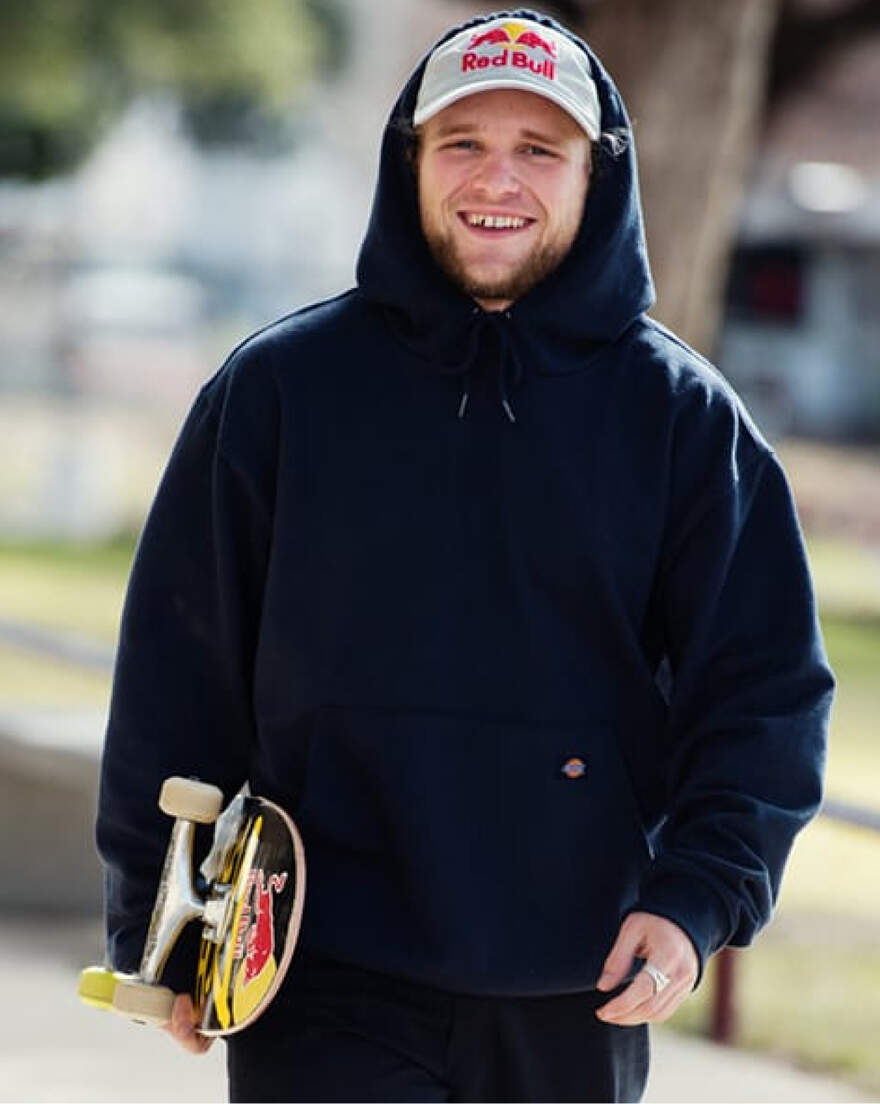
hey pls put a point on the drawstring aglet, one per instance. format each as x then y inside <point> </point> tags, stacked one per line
<point>462,406</point>
<point>507,410</point>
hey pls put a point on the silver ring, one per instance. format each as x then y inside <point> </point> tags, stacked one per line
<point>656,975</point>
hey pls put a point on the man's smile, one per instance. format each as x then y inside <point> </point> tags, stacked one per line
<point>485,222</point>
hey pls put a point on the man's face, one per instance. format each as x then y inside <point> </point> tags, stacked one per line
<point>502,178</point>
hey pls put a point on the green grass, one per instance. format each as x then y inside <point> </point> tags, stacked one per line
<point>795,988</point>
<point>111,555</point>
<point>75,588</point>
<point>78,588</point>
<point>832,872</point>
<point>847,577</point>
<point>854,750</point>
<point>33,680</point>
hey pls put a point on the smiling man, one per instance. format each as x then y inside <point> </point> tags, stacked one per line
<point>493,583</point>
<point>502,179</point>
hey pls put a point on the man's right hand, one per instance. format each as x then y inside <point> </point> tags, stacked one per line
<point>182,1026</point>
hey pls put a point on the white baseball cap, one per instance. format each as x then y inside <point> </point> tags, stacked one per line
<point>517,54</point>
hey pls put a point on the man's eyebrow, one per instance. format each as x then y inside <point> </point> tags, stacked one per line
<point>443,131</point>
<point>544,139</point>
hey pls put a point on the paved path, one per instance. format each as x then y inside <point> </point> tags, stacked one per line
<point>54,1049</point>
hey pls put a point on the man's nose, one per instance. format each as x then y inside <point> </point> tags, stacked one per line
<point>496,175</point>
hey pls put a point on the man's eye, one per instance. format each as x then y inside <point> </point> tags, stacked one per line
<point>539,151</point>
<point>461,143</point>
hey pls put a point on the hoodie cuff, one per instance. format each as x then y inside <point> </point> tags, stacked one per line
<point>694,907</point>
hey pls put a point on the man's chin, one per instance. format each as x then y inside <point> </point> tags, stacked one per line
<point>493,283</point>
<point>492,288</point>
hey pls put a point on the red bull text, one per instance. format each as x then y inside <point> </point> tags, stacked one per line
<point>545,68</point>
<point>514,41</point>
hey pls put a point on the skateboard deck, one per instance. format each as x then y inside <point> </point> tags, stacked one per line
<point>249,899</point>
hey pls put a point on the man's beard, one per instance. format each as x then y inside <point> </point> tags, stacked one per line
<point>510,287</point>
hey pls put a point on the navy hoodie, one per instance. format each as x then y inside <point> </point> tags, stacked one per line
<point>401,616</point>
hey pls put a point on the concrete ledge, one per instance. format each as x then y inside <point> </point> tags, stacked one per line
<point>48,794</point>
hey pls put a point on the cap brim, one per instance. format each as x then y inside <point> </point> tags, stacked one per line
<point>496,84</point>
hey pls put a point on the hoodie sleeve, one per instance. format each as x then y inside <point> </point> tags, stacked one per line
<point>181,701</point>
<point>749,706</point>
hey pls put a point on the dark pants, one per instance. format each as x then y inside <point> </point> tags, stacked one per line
<point>339,1033</point>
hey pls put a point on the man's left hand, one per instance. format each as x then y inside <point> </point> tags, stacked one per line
<point>665,946</point>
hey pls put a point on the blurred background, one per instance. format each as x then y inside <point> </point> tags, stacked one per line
<point>174,175</point>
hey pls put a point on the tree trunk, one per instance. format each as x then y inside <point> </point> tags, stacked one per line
<point>692,73</point>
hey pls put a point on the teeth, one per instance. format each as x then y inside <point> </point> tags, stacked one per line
<point>497,222</point>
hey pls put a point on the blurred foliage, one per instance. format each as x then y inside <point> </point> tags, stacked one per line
<point>69,67</point>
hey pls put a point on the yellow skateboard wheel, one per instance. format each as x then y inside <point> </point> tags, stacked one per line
<point>97,986</point>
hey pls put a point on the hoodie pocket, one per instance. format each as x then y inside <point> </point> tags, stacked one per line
<point>504,849</point>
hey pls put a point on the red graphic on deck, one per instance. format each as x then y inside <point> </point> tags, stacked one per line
<point>256,929</point>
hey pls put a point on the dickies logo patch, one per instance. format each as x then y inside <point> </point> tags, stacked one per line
<point>573,768</point>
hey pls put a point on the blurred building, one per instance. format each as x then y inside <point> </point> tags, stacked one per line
<point>802,336</point>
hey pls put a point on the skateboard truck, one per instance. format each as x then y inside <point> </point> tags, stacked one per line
<point>250,911</point>
<point>140,996</point>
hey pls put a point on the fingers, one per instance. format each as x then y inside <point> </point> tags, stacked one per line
<point>182,1027</point>
<point>665,946</point>
<point>641,1003</point>
<point>620,957</point>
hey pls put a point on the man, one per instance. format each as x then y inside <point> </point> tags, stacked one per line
<point>492,583</point>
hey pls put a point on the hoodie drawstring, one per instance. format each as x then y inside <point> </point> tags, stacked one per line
<point>510,368</point>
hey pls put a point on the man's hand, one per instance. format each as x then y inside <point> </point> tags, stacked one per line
<point>662,944</point>
<point>183,1026</point>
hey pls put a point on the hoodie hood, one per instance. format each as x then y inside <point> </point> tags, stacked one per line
<point>594,295</point>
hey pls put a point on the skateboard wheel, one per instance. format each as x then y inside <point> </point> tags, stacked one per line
<point>150,1004</point>
<point>188,799</point>
<point>97,986</point>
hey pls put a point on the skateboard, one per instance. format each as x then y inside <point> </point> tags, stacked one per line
<point>249,898</point>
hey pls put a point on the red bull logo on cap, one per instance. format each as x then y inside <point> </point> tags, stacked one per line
<point>517,44</point>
